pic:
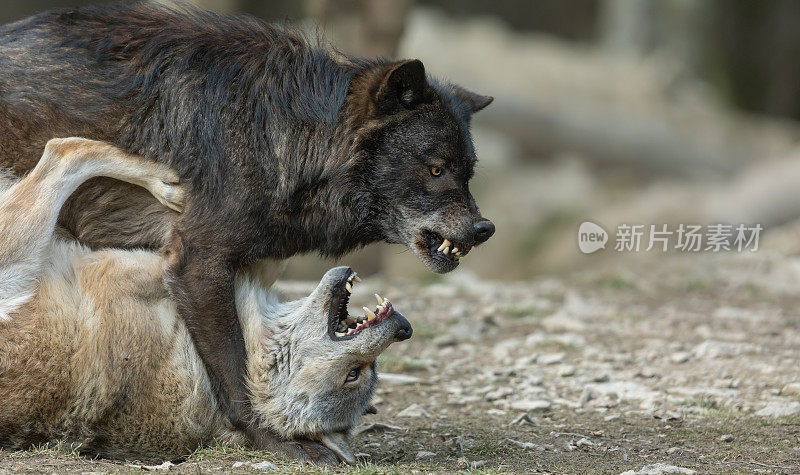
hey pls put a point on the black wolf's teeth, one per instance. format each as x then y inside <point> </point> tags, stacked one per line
<point>450,249</point>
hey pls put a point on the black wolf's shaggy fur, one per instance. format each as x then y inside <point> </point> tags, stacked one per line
<point>288,148</point>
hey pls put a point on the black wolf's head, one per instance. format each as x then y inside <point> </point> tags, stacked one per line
<point>419,160</point>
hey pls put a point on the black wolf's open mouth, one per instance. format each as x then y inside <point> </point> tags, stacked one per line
<point>442,247</point>
<point>342,325</point>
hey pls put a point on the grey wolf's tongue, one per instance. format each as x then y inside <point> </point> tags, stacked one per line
<point>337,442</point>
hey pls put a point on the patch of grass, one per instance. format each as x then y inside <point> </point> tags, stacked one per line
<point>614,282</point>
<point>489,448</point>
<point>704,403</point>
<point>698,287</point>
<point>50,449</point>
<point>216,450</point>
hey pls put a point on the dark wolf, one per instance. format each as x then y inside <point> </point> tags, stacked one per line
<point>285,147</point>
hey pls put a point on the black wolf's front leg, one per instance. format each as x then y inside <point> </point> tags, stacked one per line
<point>201,281</point>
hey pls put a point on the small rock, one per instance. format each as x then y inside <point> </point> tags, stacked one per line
<point>265,465</point>
<point>611,418</point>
<point>681,357</point>
<point>524,419</point>
<point>672,450</point>
<point>526,445</point>
<point>660,469</point>
<point>445,341</point>
<point>550,358</point>
<point>164,466</point>
<point>726,438</point>
<point>646,373</point>
<point>791,389</point>
<point>628,390</point>
<point>586,396</point>
<point>414,410</point>
<point>375,428</point>
<point>584,442</point>
<point>478,464</point>
<point>531,405</point>
<point>362,455</point>
<point>600,378</point>
<point>464,400</point>
<point>780,409</point>
<point>716,349</point>
<point>566,371</point>
<point>425,455</point>
<point>667,415</point>
<point>499,393</point>
<point>398,379</point>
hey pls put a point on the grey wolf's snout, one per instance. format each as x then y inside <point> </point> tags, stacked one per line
<point>484,229</point>
<point>403,330</point>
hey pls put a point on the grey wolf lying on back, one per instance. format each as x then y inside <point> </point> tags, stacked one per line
<point>92,350</point>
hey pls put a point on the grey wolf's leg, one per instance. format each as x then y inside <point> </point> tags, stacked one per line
<point>29,209</point>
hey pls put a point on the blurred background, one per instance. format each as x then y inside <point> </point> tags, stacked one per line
<point>614,111</point>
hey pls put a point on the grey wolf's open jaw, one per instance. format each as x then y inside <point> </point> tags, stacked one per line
<point>342,325</point>
<point>440,247</point>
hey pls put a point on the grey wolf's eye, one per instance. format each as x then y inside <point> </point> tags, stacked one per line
<point>353,375</point>
<point>436,171</point>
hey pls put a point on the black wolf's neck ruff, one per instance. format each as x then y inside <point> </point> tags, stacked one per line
<point>207,93</point>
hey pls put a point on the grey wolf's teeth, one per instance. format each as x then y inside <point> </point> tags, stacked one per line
<point>369,314</point>
<point>351,281</point>
<point>379,299</point>
<point>445,245</point>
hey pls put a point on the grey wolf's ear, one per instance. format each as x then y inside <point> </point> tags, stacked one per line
<point>402,85</point>
<point>475,101</point>
<point>337,442</point>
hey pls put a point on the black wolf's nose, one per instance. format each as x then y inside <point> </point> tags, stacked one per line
<point>483,230</point>
<point>403,333</point>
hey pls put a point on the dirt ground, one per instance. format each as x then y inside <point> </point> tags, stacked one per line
<point>693,364</point>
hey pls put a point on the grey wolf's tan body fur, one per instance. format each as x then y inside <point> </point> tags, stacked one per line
<point>92,350</point>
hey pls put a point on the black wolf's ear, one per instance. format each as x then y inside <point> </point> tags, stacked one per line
<point>402,85</point>
<point>475,101</point>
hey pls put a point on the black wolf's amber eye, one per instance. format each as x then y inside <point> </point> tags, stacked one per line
<point>436,171</point>
<point>353,375</point>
